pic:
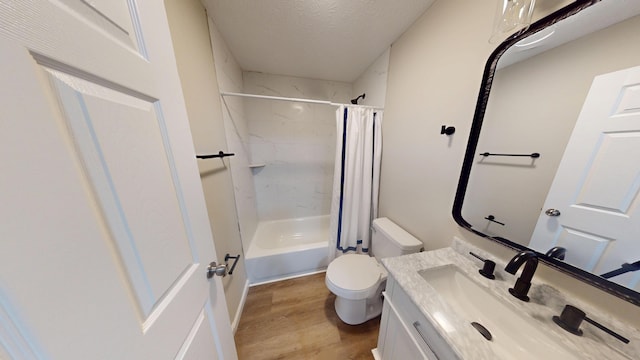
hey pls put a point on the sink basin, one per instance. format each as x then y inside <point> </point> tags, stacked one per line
<point>513,335</point>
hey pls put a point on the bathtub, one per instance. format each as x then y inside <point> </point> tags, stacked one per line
<point>287,248</point>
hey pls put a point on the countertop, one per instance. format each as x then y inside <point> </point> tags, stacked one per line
<point>545,302</point>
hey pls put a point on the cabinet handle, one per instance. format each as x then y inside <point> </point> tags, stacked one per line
<point>416,325</point>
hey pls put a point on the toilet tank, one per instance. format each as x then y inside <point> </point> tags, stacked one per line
<point>389,239</point>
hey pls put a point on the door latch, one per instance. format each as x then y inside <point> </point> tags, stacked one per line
<point>552,212</point>
<point>215,269</point>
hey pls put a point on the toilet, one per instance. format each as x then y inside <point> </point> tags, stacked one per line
<point>358,280</point>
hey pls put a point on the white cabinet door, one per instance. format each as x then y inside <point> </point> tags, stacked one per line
<point>597,183</point>
<point>104,235</point>
<point>398,342</point>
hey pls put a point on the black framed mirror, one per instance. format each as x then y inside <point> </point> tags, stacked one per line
<point>533,89</point>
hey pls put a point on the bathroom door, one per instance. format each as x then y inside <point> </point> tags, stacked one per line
<point>104,235</point>
<point>597,183</point>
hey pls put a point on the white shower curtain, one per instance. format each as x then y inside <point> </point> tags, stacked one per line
<point>356,179</point>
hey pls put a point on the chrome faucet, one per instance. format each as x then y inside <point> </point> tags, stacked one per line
<point>523,283</point>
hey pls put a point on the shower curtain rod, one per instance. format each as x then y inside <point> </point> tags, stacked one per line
<point>309,101</point>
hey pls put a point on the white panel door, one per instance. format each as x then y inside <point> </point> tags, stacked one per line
<point>104,235</point>
<point>597,184</point>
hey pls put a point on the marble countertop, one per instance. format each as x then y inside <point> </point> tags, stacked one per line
<point>545,302</point>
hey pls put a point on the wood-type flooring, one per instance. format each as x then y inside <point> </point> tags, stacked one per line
<point>295,319</point>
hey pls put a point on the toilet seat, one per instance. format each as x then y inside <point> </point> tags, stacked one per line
<point>341,281</point>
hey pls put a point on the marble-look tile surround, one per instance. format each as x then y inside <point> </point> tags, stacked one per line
<point>546,302</point>
<point>294,141</point>
<point>373,82</point>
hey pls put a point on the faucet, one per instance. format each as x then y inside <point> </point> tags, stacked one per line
<point>523,283</point>
<point>557,252</point>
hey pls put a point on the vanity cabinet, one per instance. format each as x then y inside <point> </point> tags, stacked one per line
<point>405,333</point>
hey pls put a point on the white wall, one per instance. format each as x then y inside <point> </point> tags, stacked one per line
<point>237,134</point>
<point>373,82</point>
<point>190,37</point>
<point>435,70</point>
<point>296,143</point>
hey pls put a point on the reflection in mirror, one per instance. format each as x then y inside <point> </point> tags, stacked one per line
<point>538,90</point>
<point>510,17</point>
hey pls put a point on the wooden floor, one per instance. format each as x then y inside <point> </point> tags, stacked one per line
<point>295,319</point>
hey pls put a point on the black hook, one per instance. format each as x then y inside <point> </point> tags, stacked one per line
<point>447,130</point>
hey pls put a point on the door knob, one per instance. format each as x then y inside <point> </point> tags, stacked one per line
<point>552,212</point>
<point>215,269</point>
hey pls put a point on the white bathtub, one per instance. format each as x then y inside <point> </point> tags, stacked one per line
<point>285,248</point>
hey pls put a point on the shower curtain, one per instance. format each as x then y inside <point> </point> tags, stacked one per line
<point>356,179</point>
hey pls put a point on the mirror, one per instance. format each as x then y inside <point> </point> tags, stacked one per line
<point>534,87</point>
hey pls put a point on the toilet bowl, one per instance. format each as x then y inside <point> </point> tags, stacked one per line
<point>358,297</point>
<point>358,280</point>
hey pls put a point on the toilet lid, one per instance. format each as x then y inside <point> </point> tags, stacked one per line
<point>354,273</point>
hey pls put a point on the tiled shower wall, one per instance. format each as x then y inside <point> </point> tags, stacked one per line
<point>295,141</point>
<point>292,144</point>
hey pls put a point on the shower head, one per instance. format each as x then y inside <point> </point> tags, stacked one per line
<point>355,101</point>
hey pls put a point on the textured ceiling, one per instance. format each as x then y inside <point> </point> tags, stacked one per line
<point>320,39</point>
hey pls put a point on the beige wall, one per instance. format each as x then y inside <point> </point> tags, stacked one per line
<point>236,129</point>
<point>435,70</point>
<point>190,36</point>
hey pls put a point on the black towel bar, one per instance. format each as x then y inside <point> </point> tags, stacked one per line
<point>533,155</point>
<point>220,154</point>
<point>624,268</point>
<point>493,219</point>
<point>235,262</point>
